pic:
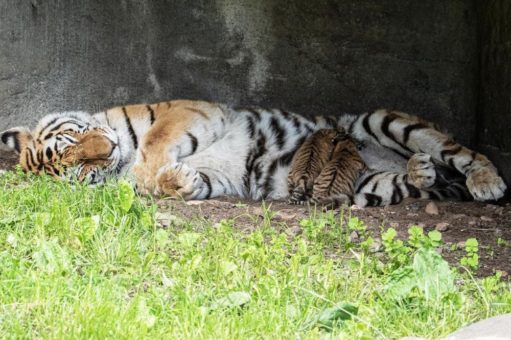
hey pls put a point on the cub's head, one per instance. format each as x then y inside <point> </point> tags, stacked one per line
<point>66,145</point>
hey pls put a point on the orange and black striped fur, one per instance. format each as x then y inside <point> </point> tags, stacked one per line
<point>197,150</point>
<point>325,169</point>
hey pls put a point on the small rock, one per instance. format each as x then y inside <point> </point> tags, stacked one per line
<point>165,220</point>
<point>412,214</point>
<point>458,216</point>
<point>194,202</point>
<point>431,208</point>
<point>286,215</point>
<point>460,245</point>
<point>257,211</point>
<point>472,223</point>
<point>354,236</point>
<point>442,226</point>
<point>294,230</point>
<point>376,246</point>
<point>499,211</point>
<point>486,218</point>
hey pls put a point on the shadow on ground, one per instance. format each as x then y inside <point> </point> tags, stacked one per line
<point>490,224</point>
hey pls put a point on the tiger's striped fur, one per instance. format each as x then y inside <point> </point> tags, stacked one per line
<point>335,185</point>
<point>308,162</point>
<point>325,169</point>
<point>197,150</point>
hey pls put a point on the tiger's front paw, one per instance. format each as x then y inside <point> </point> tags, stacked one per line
<point>144,180</point>
<point>485,184</point>
<point>178,180</point>
<point>421,171</point>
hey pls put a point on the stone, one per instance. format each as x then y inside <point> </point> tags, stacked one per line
<point>286,215</point>
<point>354,236</point>
<point>165,220</point>
<point>195,202</point>
<point>486,219</point>
<point>442,226</point>
<point>294,230</point>
<point>431,209</point>
<point>495,328</point>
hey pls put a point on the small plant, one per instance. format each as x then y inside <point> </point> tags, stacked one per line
<point>396,249</point>
<point>501,242</point>
<point>471,259</point>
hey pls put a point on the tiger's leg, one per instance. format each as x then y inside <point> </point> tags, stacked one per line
<point>188,128</point>
<point>406,136</point>
<point>381,188</point>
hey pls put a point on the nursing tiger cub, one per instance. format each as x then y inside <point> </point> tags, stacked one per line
<point>325,169</point>
<point>198,150</point>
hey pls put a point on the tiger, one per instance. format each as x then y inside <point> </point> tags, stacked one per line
<point>192,149</point>
<point>324,169</point>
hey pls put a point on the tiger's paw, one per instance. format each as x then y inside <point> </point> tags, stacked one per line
<point>144,181</point>
<point>297,197</point>
<point>421,171</point>
<point>178,180</point>
<point>485,184</point>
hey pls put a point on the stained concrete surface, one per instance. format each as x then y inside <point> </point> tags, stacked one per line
<point>322,56</point>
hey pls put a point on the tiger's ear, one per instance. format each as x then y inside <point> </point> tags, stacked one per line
<point>16,138</point>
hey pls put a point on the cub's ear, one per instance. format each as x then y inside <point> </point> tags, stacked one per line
<point>16,138</point>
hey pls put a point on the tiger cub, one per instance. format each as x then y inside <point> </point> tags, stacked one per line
<point>324,169</point>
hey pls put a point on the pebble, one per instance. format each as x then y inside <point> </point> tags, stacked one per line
<point>294,230</point>
<point>286,215</point>
<point>194,202</point>
<point>376,246</point>
<point>486,218</point>
<point>472,223</point>
<point>460,245</point>
<point>458,216</point>
<point>166,219</point>
<point>354,236</point>
<point>431,208</point>
<point>442,226</point>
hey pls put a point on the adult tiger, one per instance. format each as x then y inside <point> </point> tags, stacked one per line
<point>197,150</point>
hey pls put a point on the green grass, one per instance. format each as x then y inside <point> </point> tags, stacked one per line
<point>77,262</point>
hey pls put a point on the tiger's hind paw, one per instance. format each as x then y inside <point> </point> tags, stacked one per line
<point>421,171</point>
<point>485,184</point>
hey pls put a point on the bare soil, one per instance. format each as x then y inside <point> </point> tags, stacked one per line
<point>489,223</point>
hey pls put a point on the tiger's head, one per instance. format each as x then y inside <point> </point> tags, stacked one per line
<point>66,145</point>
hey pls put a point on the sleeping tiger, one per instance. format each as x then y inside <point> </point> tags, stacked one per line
<point>325,169</point>
<point>198,150</point>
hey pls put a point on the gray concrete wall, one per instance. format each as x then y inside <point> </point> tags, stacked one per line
<point>494,114</point>
<point>320,56</point>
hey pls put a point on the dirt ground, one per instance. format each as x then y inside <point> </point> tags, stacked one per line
<point>489,223</point>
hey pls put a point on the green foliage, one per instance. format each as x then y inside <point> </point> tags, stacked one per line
<point>332,317</point>
<point>471,259</point>
<point>77,262</point>
<point>429,277</point>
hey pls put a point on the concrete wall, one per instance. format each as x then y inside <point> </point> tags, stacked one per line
<point>320,56</point>
<point>494,114</point>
